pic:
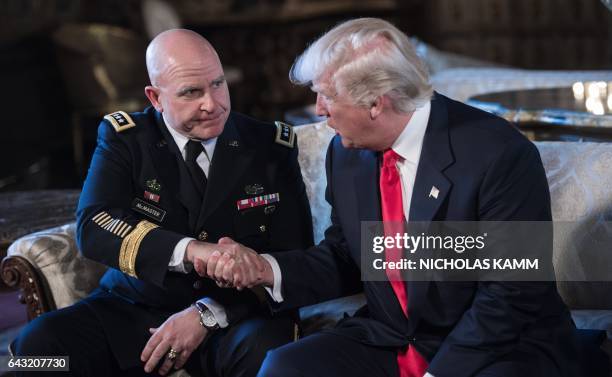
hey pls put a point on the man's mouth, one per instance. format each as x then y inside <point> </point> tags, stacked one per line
<point>209,118</point>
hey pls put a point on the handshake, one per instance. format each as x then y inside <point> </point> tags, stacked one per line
<point>230,264</point>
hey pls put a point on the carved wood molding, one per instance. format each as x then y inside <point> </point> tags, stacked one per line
<point>17,272</point>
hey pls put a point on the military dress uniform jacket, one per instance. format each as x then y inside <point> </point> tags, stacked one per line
<point>138,202</point>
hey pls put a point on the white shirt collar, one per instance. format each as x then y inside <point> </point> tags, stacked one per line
<point>181,141</point>
<point>409,143</point>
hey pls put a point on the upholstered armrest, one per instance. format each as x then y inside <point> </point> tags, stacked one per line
<point>313,140</point>
<point>48,269</point>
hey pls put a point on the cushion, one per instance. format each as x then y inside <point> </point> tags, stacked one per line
<point>313,140</point>
<point>579,178</point>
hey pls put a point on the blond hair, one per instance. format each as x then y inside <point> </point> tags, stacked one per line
<point>366,58</point>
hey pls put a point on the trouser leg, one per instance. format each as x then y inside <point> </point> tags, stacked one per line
<point>74,332</point>
<point>239,350</point>
<point>328,354</point>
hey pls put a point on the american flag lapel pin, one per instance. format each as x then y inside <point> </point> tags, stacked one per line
<point>434,192</point>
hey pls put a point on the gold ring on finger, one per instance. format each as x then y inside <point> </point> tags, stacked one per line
<point>172,354</point>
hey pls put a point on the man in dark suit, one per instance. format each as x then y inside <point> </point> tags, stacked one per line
<point>402,153</point>
<point>185,168</point>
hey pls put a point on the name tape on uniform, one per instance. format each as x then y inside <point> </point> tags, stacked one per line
<point>148,209</point>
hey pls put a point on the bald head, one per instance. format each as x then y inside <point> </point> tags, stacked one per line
<point>188,84</point>
<point>176,47</point>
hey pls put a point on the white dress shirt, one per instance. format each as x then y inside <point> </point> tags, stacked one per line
<point>408,145</point>
<point>203,160</point>
<point>177,260</point>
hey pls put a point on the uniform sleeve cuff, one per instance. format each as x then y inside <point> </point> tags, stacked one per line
<point>177,263</point>
<point>275,291</point>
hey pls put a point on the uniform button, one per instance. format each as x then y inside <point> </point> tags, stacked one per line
<point>202,236</point>
<point>262,228</point>
<point>198,284</point>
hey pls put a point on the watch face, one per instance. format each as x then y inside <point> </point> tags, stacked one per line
<point>208,319</point>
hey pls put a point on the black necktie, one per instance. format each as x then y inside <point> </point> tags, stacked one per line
<point>194,148</point>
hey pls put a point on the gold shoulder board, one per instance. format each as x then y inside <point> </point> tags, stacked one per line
<point>284,134</point>
<point>120,120</point>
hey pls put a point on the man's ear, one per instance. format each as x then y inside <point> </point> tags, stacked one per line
<point>152,94</point>
<point>377,107</point>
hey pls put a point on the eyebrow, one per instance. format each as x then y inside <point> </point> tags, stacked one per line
<point>185,89</point>
<point>220,78</point>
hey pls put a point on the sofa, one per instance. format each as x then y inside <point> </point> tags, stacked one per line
<point>52,274</point>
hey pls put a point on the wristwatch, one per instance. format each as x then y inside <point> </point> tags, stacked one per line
<point>207,317</point>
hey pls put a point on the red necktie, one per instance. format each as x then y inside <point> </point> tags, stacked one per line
<point>410,362</point>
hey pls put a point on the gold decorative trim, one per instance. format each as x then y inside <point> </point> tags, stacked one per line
<point>98,216</point>
<point>101,218</point>
<point>296,332</point>
<point>130,246</point>
<point>125,229</point>
<point>117,227</point>
<point>105,223</point>
<point>111,227</point>
<point>120,120</point>
<point>284,134</point>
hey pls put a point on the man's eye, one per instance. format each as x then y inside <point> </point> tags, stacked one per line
<point>191,92</point>
<point>217,84</point>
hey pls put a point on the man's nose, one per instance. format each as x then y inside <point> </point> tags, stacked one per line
<point>320,107</point>
<point>207,103</point>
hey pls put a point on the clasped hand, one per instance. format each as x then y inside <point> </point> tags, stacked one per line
<point>230,264</point>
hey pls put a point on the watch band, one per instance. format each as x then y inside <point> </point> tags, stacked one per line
<point>207,317</point>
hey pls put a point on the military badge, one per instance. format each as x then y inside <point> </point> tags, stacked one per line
<point>257,201</point>
<point>152,191</point>
<point>284,134</point>
<point>150,196</point>
<point>120,120</point>
<point>153,185</point>
<point>254,189</point>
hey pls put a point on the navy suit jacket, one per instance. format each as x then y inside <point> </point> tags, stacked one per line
<point>484,170</point>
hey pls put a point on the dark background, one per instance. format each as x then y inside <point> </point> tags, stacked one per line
<point>46,97</point>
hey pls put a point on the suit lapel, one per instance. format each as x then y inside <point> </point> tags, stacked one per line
<point>365,172</point>
<point>230,160</point>
<point>168,163</point>
<point>431,186</point>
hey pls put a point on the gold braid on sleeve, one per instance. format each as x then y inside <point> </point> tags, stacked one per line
<point>131,246</point>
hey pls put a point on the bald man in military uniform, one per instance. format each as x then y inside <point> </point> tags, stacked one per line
<point>164,186</point>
